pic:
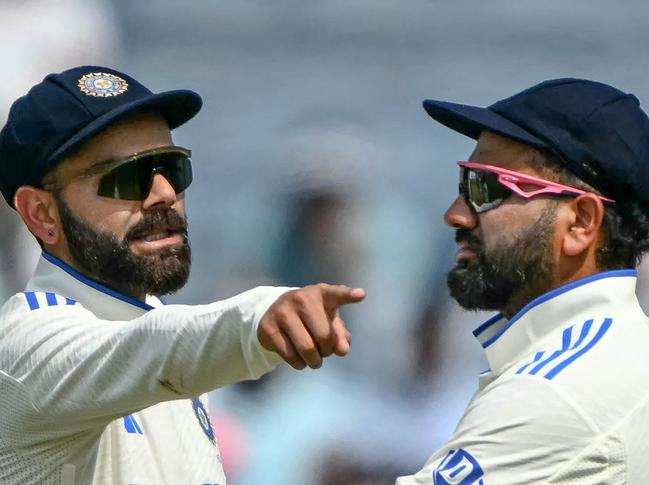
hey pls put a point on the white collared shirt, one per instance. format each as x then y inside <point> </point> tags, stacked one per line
<point>99,388</point>
<point>566,399</point>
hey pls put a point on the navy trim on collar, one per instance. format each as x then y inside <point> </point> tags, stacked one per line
<point>617,273</point>
<point>93,284</point>
<point>487,324</point>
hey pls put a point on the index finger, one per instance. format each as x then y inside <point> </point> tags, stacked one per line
<point>334,296</point>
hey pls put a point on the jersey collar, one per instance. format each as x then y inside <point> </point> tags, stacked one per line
<point>504,340</point>
<point>56,276</point>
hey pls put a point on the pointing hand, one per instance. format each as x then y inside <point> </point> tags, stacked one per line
<point>303,326</point>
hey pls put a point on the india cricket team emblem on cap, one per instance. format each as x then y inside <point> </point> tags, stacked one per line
<point>203,420</point>
<point>102,85</point>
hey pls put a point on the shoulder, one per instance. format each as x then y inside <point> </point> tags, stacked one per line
<point>36,306</point>
<point>599,365</point>
<point>30,314</point>
<point>527,405</point>
<point>36,300</point>
<point>520,429</point>
<point>28,301</point>
<point>517,430</point>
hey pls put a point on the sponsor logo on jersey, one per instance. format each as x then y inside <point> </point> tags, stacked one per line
<point>203,419</point>
<point>102,85</point>
<point>458,468</point>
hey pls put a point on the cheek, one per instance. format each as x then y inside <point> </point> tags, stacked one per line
<point>531,224</point>
<point>494,228</point>
<point>117,222</point>
<point>103,214</point>
<point>504,223</point>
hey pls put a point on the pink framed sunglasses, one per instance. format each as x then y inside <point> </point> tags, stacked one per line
<point>485,187</point>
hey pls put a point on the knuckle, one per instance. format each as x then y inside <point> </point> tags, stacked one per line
<point>323,286</point>
<point>282,313</point>
<point>301,297</point>
<point>324,336</point>
<point>306,348</point>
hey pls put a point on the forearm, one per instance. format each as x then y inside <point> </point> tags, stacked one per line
<point>77,368</point>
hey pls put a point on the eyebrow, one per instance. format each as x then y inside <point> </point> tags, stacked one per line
<point>99,167</point>
<point>106,163</point>
<point>114,161</point>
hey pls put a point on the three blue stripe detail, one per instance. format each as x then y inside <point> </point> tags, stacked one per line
<point>574,351</point>
<point>131,425</point>
<point>50,299</point>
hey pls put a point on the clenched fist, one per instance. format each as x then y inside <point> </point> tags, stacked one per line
<point>303,326</point>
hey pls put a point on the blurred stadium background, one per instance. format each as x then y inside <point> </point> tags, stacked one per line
<point>314,161</point>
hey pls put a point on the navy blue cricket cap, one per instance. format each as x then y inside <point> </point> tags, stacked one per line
<point>65,110</point>
<point>598,131</point>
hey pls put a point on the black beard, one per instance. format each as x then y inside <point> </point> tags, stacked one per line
<point>518,268</point>
<point>107,260</point>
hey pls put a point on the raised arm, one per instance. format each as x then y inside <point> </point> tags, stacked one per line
<point>65,367</point>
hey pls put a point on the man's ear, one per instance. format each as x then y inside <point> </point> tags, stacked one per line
<point>585,221</point>
<point>39,211</point>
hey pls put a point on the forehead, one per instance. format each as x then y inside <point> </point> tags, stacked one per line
<point>134,134</point>
<point>494,149</point>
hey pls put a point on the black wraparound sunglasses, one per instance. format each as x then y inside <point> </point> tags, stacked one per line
<point>131,178</point>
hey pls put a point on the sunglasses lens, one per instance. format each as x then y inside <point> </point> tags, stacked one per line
<point>128,181</point>
<point>177,169</point>
<point>482,190</point>
<point>132,180</point>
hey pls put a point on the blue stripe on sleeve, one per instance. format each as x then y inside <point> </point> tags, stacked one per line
<point>131,425</point>
<point>600,333</point>
<point>537,357</point>
<point>128,424</point>
<point>566,347</point>
<point>137,426</point>
<point>51,299</point>
<point>31,300</point>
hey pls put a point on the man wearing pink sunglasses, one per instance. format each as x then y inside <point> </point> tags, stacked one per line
<point>552,218</point>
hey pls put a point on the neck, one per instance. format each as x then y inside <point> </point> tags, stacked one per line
<point>72,265</point>
<point>522,298</point>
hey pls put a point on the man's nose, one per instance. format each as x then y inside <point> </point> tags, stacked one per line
<point>460,215</point>
<point>161,193</point>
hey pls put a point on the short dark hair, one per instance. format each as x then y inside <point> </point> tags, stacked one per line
<point>625,228</point>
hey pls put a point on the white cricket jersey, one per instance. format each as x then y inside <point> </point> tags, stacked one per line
<point>99,388</point>
<point>566,400</point>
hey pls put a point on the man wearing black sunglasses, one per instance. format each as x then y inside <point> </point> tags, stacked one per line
<point>552,218</point>
<point>99,381</point>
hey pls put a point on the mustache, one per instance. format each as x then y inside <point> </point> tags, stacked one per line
<point>466,236</point>
<point>159,220</point>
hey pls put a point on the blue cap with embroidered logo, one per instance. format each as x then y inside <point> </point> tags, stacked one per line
<point>67,109</point>
<point>598,131</point>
